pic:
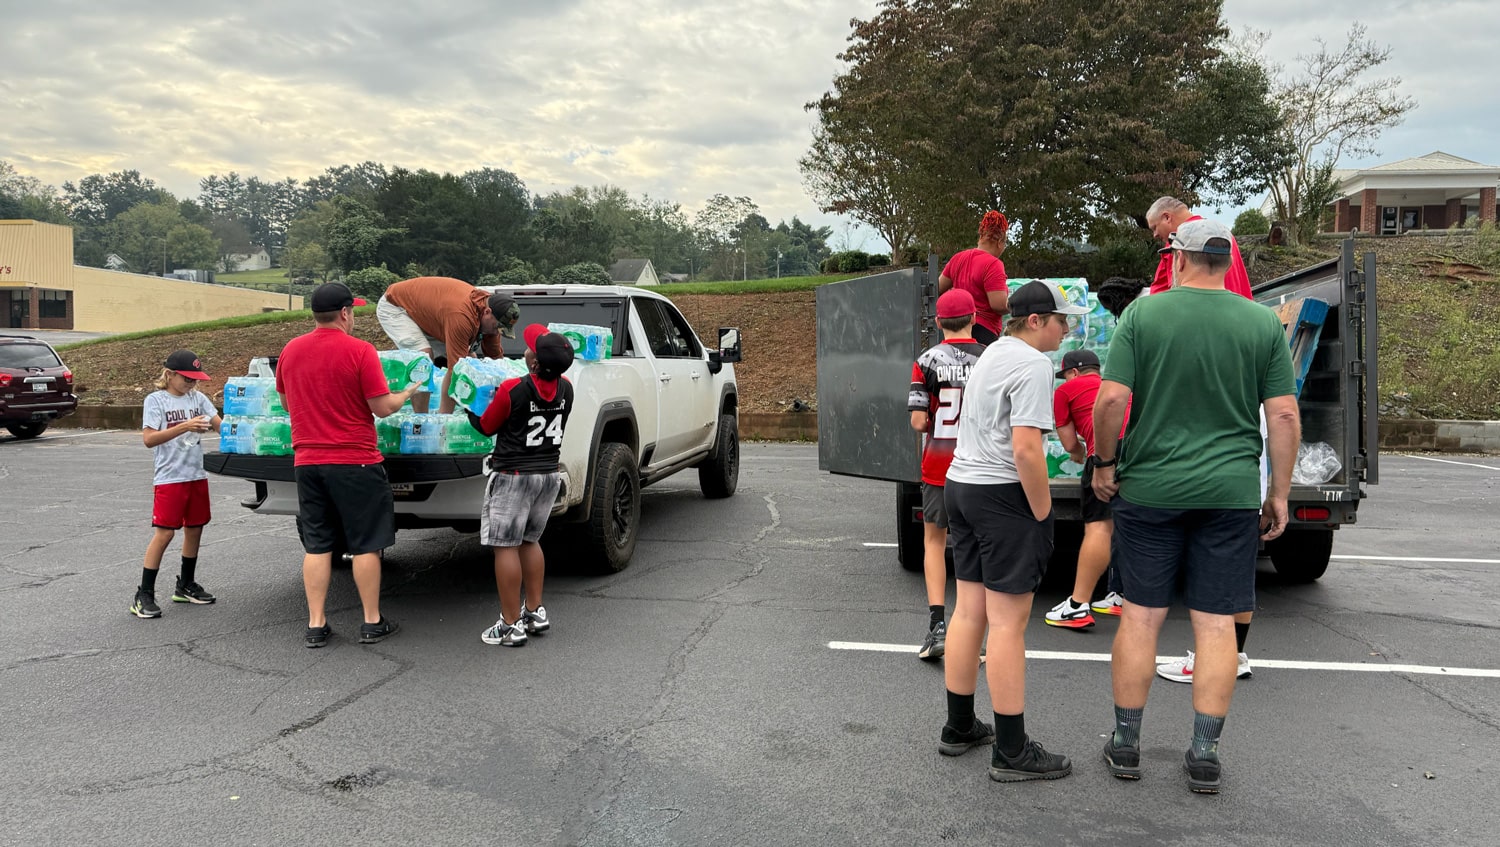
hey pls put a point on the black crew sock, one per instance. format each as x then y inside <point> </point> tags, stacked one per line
<point>936,615</point>
<point>189,564</point>
<point>1206,732</point>
<point>1010,734</point>
<point>1241,631</point>
<point>961,711</point>
<point>148,579</point>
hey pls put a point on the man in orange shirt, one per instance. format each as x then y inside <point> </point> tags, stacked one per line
<point>443,316</point>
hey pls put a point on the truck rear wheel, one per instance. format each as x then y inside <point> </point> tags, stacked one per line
<point>910,548</point>
<point>615,510</point>
<point>1301,556</point>
<point>720,475</point>
<point>30,429</point>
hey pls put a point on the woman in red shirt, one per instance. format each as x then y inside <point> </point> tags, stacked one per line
<point>980,272</point>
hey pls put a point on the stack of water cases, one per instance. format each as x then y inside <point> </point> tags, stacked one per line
<point>590,343</point>
<point>255,422</point>
<point>476,380</point>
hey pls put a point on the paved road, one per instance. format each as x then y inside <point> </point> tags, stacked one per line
<point>57,337</point>
<point>693,698</point>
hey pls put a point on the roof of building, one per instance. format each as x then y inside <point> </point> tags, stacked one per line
<point>628,270</point>
<point>1436,161</point>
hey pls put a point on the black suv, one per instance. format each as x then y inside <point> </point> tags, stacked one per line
<point>35,386</point>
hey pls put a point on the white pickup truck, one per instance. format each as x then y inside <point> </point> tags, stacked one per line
<point>662,403</point>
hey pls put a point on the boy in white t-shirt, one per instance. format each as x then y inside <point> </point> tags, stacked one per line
<point>173,421</point>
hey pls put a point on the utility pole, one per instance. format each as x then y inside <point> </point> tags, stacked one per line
<point>778,264</point>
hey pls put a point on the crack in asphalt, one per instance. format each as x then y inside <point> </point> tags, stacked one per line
<point>612,750</point>
<point>1452,702</point>
<point>238,761</point>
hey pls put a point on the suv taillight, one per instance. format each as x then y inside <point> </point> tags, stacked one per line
<point>5,380</point>
<point>67,376</point>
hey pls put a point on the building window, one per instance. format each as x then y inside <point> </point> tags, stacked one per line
<point>52,304</point>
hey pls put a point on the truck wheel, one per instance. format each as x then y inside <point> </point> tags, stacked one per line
<point>1301,556</point>
<point>30,429</point>
<point>910,548</point>
<point>615,511</point>
<point>719,476</point>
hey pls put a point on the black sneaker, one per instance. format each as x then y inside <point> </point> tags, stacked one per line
<point>144,605</point>
<point>933,645</point>
<point>1203,774</point>
<point>1032,762</point>
<point>191,592</point>
<point>1123,761</point>
<point>955,743</point>
<point>317,636</point>
<point>370,633</point>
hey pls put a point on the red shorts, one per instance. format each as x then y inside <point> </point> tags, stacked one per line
<point>179,504</point>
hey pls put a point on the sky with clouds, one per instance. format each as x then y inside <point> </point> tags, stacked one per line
<point>678,99</point>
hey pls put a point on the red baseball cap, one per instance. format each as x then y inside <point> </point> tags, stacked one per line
<point>955,303</point>
<point>532,333</point>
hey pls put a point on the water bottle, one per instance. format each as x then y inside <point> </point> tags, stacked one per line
<point>403,368</point>
<point>388,433</point>
<point>272,436</point>
<point>245,395</point>
<point>421,434</point>
<point>461,437</point>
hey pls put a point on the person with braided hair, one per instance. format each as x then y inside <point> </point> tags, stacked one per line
<point>980,272</point>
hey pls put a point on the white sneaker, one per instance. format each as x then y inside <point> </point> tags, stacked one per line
<point>1109,604</point>
<point>535,620</point>
<point>1069,616</point>
<point>508,634</point>
<point>1181,670</point>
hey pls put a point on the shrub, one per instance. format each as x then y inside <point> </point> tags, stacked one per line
<point>830,265</point>
<point>370,283</point>
<point>879,260</point>
<point>1251,222</point>
<point>583,273</point>
<point>853,261</point>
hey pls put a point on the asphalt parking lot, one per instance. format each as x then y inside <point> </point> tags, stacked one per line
<point>695,698</point>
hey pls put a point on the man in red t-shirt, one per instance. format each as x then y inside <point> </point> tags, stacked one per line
<point>980,272</point>
<point>330,383</point>
<point>1164,217</point>
<point>937,386</point>
<point>1073,411</point>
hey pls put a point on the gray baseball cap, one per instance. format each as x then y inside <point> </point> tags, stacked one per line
<point>1201,236</point>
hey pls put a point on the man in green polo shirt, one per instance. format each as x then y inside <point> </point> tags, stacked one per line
<point>1197,363</point>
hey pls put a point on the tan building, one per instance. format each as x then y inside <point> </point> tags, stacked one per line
<point>41,288</point>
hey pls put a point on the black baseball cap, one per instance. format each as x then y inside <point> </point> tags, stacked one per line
<point>331,296</point>
<point>505,310</point>
<point>186,363</point>
<point>1042,298</point>
<point>1077,359</point>
<point>554,354</point>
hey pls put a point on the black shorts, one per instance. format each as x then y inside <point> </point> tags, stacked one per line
<point>933,510</point>
<point>995,539</point>
<point>983,334</point>
<point>351,504</point>
<point>1213,549</point>
<point>1094,509</point>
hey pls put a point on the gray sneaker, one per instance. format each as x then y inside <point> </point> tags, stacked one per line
<point>935,643</point>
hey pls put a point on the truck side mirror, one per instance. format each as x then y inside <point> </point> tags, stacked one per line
<point>729,344</point>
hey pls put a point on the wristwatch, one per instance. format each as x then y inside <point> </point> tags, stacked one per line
<point>1106,463</point>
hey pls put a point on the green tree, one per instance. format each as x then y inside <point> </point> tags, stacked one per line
<point>308,261</point>
<point>233,237</point>
<point>26,197</point>
<point>192,246</point>
<point>1331,109</point>
<point>1053,118</point>
<point>139,236</point>
<point>370,283</point>
<point>354,233</point>
<point>847,174</point>
<point>1251,222</point>
<point>98,199</point>
<point>583,273</point>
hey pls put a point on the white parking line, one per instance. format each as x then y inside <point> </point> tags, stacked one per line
<point>78,434</point>
<point>1360,667</point>
<point>1451,462</point>
<point>1418,559</point>
<point>879,544</point>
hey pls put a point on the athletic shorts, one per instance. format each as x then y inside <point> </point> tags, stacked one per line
<point>983,334</point>
<point>516,507</point>
<point>995,539</point>
<point>179,504</point>
<point>1213,550</point>
<point>403,331</point>
<point>348,505</point>
<point>933,510</point>
<point>1094,509</point>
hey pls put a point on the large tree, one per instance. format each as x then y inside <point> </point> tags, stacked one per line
<point>1331,109</point>
<point>1052,117</point>
<point>155,238</point>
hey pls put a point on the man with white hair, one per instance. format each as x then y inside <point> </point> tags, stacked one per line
<point>1164,217</point>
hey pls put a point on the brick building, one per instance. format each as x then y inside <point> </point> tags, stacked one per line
<point>1434,191</point>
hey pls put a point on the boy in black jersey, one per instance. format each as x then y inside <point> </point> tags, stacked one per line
<point>527,417</point>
